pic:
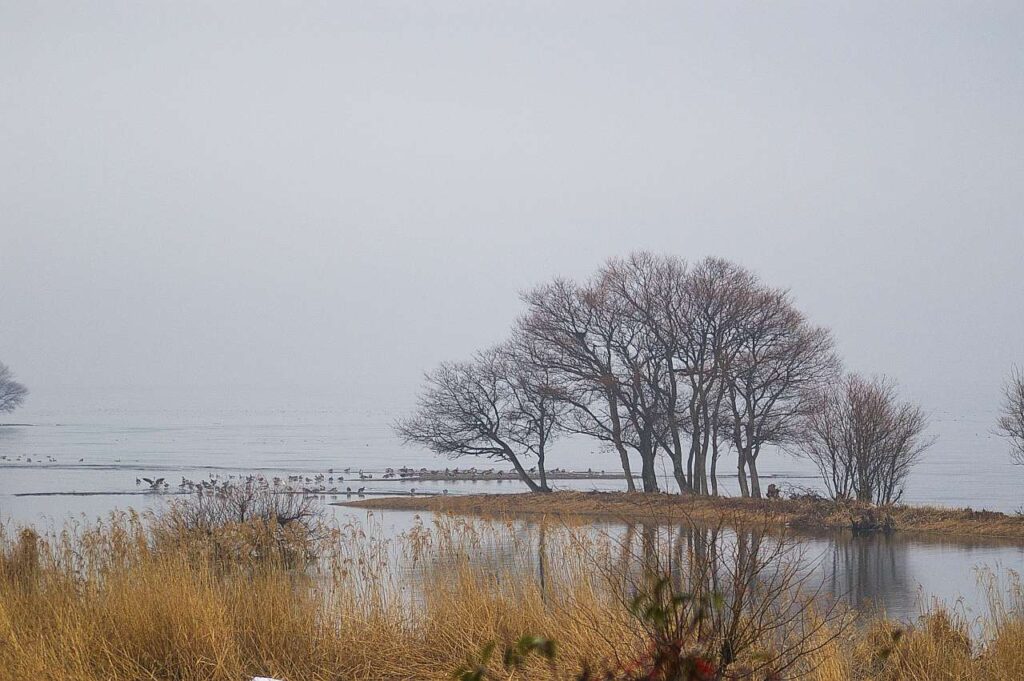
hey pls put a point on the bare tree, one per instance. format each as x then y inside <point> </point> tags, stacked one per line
<point>1011,419</point>
<point>780,362</point>
<point>863,440</point>
<point>715,299</point>
<point>538,406</point>
<point>606,363</point>
<point>636,294</point>
<point>570,340</point>
<point>485,408</point>
<point>651,293</point>
<point>12,393</point>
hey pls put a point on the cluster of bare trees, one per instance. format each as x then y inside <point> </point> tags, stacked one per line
<point>12,393</point>
<point>650,357</point>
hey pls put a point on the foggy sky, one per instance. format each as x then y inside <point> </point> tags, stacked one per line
<point>344,194</point>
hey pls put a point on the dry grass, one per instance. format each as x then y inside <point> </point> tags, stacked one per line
<point>122,601</point>
<point>134,598</point>
<point>796,513</point>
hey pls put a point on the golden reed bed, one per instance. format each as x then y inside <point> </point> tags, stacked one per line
<point>153,598</point>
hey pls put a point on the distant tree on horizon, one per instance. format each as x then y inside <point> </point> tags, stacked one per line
<point>12,393</point>
<point>1011,420</point>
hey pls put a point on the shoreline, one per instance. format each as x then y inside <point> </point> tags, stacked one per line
<point>798,514</point>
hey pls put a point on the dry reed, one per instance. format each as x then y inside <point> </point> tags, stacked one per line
<point>136,598</point>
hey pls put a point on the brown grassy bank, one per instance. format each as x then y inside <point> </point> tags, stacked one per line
<point>134,600</point>
<point>805,514</point>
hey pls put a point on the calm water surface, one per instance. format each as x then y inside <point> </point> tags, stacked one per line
<point>77,446</point>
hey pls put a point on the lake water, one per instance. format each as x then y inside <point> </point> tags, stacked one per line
<point>100,445</point>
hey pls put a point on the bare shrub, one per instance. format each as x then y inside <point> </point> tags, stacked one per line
<point>243,522</point>
<point>865,441</point>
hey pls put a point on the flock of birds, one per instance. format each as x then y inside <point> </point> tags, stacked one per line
<point>28,459</point>
<point>405,473</point>
<point>321,485</point>
<point>471,474</point>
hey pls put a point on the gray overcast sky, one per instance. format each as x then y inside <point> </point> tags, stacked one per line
<point>346,193</point>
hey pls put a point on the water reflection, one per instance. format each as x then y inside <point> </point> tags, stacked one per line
<point>871,571</point>
<point>895,574</point>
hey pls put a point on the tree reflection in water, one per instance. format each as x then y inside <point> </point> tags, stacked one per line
<point>895,574</point>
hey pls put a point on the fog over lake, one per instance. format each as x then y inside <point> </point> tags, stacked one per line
<point>233,237</point>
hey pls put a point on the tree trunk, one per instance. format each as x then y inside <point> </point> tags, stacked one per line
<point>701,466</point>
<point>702,463</point>
<point>689,464</point>
<point>677,459</point>
<point>676,453</point>
<point>613,413</point>
<point>650,475</point>
<point>695,459</point>
<point>647,456</point>
<point>741,472</point>
<point>714,466</point>
<point>755,484</point>
<point>523,475</point>
<point>680,475</point>
<point>695,431</point>
<point>541,471</point>
<point>624,458</point>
